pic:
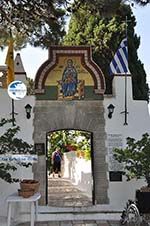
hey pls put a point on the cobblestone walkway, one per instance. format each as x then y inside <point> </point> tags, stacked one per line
<point>62,193</point>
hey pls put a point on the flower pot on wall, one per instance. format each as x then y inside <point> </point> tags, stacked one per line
<point>143,201</point>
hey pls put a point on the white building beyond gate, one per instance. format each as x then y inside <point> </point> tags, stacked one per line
<point>79,171</point>
<point>138,123</point>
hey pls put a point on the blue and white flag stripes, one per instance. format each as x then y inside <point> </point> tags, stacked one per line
<point>119,64</point>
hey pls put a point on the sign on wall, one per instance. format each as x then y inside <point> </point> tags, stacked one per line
<point>17,90</point>
<point>39,148</point>
<point>18,158</point>
<point>114,141</point>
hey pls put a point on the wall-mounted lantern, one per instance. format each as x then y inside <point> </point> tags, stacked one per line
<point>28,108</point>
<point>110,110</point>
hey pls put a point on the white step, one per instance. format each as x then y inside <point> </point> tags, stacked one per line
<point>43,217</point>
<point>80,209</point>
<point>47,213</point>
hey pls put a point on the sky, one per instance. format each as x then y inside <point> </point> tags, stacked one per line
<point>142,29</point>
<point>32,58</point>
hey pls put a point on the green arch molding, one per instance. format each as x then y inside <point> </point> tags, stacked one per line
<point>84,52</point>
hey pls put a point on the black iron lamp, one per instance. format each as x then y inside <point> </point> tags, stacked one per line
<point>28,108</point>
<point>110,110</point>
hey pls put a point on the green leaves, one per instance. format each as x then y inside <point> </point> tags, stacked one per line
<point>68,140</point>
<point>136,158</point>
<point>5,172</point>
<point>9,145</point>
<point>39,23</point>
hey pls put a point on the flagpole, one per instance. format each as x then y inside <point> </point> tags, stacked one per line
<point>119,65</point>
<point>13,112</point>
<point>125,103</point>
<point>12,100</point>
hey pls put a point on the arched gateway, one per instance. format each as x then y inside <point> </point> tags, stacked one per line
<point>69,95</point>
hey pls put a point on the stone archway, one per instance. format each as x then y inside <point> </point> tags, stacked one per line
<point>50,115</point>
<point>85,114</point>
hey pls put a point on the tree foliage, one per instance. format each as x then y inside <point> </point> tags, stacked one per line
<point>100,33</point>
<point>142,2</point>
<point>30,86</point>
<point>136,158</point>
<point>37,22</point>
<point>66,138</point>
<point>9,145</point>
<point>69,140</point>
<point>41,23</point>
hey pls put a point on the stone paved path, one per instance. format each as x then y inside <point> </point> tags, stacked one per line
<point>62,193</point>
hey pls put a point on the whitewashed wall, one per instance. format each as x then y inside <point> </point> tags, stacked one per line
<point>138,123</point>
<point>78,170</point>
<point>26,126</point>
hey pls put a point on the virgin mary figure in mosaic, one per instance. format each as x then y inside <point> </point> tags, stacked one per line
<point>69,79</point>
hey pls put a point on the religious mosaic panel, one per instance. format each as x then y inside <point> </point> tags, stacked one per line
<point>70,78</point>
<point>69,74</point>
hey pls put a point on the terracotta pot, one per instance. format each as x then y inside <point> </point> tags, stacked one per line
<point>26,193</point>
<point>29,185</point>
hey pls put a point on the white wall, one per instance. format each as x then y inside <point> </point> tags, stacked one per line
<point>78,170</point>
<point>120,192</point>
<point>26,126</point>
<point>138,123</point>
<point>138,116</point>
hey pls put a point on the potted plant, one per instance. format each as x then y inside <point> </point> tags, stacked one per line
<point>136,160</point>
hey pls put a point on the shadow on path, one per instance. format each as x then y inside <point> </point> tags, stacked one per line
<point>62,193</point>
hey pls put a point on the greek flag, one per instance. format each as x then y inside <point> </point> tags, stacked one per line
<point>119,64</point>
